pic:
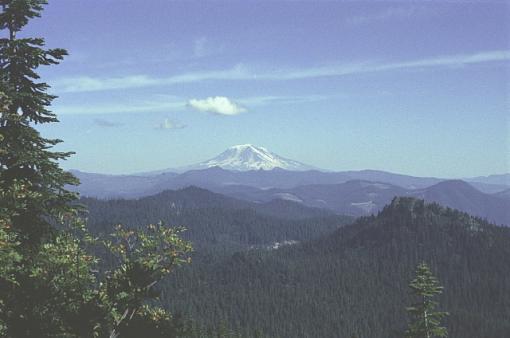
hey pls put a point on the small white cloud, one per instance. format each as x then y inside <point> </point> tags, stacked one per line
<point>168,124</point>
<point>217,105</point>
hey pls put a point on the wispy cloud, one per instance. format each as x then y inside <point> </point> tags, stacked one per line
<point>373,67</point>
<point>107,123</point>
<point>386,14</point>
<point>89,84</point>
<point>241,72</point>
<point>255,101</point>
<point>155,104</point>
<point>169,124</point>
<point>219,105</point>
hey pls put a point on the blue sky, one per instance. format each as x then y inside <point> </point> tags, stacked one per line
<point>420,88</point>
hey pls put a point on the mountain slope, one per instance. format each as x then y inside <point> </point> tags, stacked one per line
<point>460,195</point>
<point>505,194</point>
<point>354,282</point>
<point>356,197</point>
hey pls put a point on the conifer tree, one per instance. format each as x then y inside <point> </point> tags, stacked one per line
<point>426,320</point>
<point>26,160</point>
<point>32,185</point>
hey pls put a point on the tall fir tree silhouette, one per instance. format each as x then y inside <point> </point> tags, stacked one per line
<point>426,320</point>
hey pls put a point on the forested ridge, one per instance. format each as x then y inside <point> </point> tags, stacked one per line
<point>213,220</point>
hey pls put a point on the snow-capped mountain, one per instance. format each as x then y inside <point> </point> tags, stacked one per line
<point>246,157</point>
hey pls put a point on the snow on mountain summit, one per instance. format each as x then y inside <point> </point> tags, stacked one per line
<point>245,157</point>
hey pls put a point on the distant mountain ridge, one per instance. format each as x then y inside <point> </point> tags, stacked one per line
<point>216,178</point>
<point>501,179</point>
<point>353,197</point>
<point>254,166</point>
<point>360,197</point>
<point>255,174</point>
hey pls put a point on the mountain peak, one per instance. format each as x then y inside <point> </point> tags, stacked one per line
<point>244,157</point>
<point>246,146</point>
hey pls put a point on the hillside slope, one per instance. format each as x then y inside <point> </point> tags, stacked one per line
<point>353,283</point>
